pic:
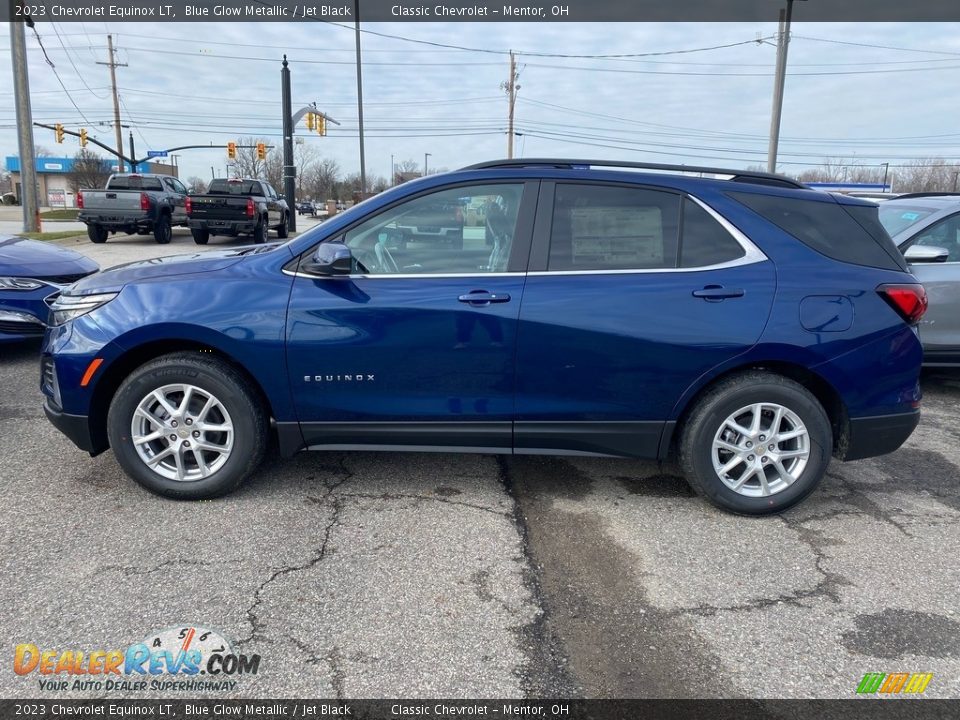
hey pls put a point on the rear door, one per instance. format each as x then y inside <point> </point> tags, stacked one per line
<point>633,294</point>
<point>417,347</point>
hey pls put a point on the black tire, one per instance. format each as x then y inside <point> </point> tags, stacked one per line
<point>97,233</point>
<point>282,228</point>
<point>261,232</point>
<point>163,229</point>
<point>200,236</point>
<point>209,375</point>
<point>710,414</point>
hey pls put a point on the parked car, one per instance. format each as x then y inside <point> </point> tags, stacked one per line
<point>134,203</point>
<point>237,206</point>
<point>31,273</point>
<point>750,326</point>
<point>306,208</point>
<point>926,228</point>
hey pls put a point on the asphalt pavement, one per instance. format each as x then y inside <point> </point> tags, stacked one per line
<point>417,575</point>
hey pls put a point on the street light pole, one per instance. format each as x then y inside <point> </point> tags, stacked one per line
<point>289,170</point>
<point>425,156</point>
<point>886,169</point>
<point>393,174</point>
<point>363,164</point>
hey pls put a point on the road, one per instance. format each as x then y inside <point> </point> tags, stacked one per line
<point>388,575</point>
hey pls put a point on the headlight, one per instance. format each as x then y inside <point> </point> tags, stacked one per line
<point>69,307</point>
<point>17,283</point>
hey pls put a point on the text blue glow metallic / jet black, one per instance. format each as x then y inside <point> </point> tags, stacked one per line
<point>30,273</point>
<point>748,325</point>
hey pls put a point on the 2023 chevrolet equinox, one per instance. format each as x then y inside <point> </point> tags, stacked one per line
<point>746,324</point>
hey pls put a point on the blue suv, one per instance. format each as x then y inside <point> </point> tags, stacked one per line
<point>744,324</point>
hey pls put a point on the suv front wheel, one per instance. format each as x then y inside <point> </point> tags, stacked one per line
<point>186,427</point>
<point>757,443</point>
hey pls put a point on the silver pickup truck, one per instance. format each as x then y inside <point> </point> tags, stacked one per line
<point>134,203</point>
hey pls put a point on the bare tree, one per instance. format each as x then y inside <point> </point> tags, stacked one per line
<point>90,171</point>
<point>305,157</point>
<point>196,185</point>
<point>322,179</point>
<point>272,171</point>
<point>247,164</point>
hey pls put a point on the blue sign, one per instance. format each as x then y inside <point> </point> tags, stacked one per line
<point>156,153</point>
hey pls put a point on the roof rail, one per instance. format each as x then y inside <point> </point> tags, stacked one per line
<point>907,196</point>
<point>746,176</point>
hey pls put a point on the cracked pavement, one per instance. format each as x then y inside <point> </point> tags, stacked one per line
<point>385,575</point>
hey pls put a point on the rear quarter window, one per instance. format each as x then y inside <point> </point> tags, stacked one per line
<point>851,234</point>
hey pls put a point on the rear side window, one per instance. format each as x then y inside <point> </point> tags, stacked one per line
<point>850,234</point>
<point>600,227</point>
<point>705,241</point>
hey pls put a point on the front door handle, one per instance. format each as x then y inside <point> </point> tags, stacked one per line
<point>715,293</point>
<point>482,297</point>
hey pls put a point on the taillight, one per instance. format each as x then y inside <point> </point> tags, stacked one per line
<point>189,204</point>
<point>910,301</point>
<point>80,199</point>
<point>249,207</point>
<point>144,201</point>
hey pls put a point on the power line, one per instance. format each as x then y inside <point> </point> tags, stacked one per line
<point>879,47</point>
<point>56,74</point>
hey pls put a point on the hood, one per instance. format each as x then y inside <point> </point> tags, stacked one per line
<point>116,277</point>
<point>20,257</point>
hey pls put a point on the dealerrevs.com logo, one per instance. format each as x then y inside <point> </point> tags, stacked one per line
<point>186,657</point>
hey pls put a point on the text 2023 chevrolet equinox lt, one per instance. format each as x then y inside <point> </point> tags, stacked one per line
<point>749,325</point>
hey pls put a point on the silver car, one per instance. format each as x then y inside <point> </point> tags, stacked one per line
<point>926,228</point>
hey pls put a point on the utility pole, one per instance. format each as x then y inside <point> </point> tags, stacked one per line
<point>783,43</point>
<point>113,65</point>
<point>363,163</point>
<point>28,162</point>
<point>289,169</point>
<point>511,88</point>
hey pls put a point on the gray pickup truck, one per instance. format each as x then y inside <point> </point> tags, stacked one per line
<point>137,204</point>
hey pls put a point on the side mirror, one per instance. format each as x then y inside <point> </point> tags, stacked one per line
<point>331,258</point>
<point>926,254</point>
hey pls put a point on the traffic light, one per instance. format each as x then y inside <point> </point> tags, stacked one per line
<point>59,131</point>
<point>261,151</point>
<point>83,137</point>
<point>232,150</point>
<point>321,125</point>
<point>310,124</point>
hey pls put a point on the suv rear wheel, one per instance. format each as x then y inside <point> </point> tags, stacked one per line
<point>757,443</point>
<point>186,427</point>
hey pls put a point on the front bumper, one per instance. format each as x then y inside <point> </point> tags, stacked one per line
<point>75,427</point>
<point>879,435</point>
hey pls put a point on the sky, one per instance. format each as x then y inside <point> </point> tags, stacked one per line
<point>870,93</point>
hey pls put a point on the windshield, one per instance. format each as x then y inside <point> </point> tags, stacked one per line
<point>897,218</point>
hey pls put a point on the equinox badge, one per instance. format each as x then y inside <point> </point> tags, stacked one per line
<point>360,377</point>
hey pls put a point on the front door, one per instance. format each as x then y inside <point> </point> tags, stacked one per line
<point>417,346</point>
<point>632,295</point>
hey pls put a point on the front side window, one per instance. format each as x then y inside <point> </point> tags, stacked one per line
<point>598,227</point>
<point>944,234</point>
<point>461,230</point>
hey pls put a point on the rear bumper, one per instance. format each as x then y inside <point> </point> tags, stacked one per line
<point>75,427</point>
<point>879,435</point>
<point>219,227</point>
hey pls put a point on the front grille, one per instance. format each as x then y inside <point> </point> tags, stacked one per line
<point>21,328</point>
<point>64,279</point>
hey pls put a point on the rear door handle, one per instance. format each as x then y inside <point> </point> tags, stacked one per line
<point>718,292</point>
<point>482,297</point>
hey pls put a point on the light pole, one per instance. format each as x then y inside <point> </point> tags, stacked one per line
<point>886,170</point>
<point>955,176</point>
<point>393,175</point>
<point>425,156</point>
